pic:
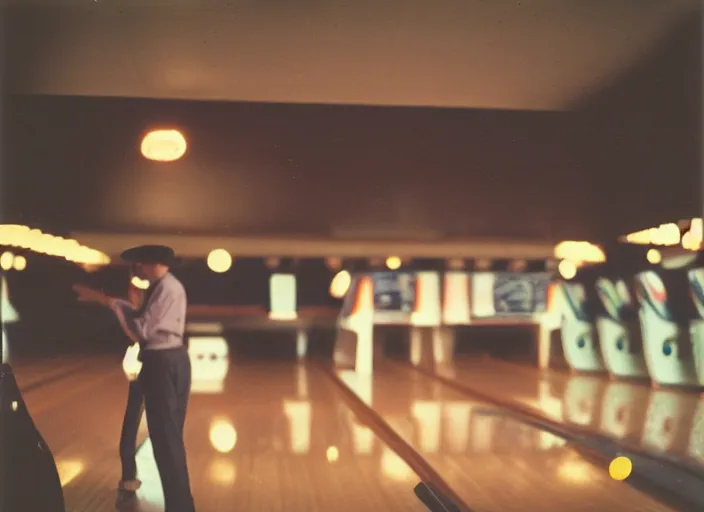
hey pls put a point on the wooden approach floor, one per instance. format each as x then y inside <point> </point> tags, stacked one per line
<point>278,437</point>
<point>275,438</point>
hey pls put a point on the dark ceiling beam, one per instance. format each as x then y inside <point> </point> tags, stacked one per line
<point>199,247</point>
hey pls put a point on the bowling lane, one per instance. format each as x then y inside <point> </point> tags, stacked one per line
<point>275,437</point>
<point>661,422</point>
<point>493,462</point>
<point>269,437</point>
<point>34,372</point>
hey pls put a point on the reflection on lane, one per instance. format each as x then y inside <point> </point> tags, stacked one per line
<point>275,437</point>
<point>662,421</point>
<point>494,462</point>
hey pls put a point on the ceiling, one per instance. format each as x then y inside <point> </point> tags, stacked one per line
<point>343,172</point>
<point>519,55</point>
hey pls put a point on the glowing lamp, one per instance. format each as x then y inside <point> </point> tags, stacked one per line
<point>340,284</point>
<point>219,260</point>
<point>393,262</point>
<point>163,145</point>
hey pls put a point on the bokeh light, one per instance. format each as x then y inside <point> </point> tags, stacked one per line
<point>567,269</point>
<point>223,436</point>
<point>340,284</point>
<point>140,284</point>
<point>654,256</point>
<point>219,260</point>
<point>332,454</point>
<point>393,262</point>
<point>20,263</point>
<point>6,260</point>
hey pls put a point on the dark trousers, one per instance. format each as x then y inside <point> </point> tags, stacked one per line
<point>130,427</point>
<point>165,380</point>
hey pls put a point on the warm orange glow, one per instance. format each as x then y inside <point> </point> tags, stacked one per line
<point>333,263</point>
<point>164,145</point>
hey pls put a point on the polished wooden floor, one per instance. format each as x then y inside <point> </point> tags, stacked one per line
<point>492,461</point>
<point>278,436</point>
<point>273,437</point>
<point>668,422</point>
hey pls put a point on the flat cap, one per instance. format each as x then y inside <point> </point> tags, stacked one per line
<point>150,254</point>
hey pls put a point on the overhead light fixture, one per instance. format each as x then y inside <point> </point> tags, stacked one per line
<point>43,243</point>
<point>164,145</point>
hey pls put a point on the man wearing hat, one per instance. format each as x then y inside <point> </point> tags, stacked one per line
<point>165,378</point>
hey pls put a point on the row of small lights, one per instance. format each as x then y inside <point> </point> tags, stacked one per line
<point>157,145</point>
<point>9,261</point>
<point>35,240</point>
<point>669,235</point>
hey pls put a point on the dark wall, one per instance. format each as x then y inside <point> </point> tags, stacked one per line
<point>649,124</point>
<point>51,321</point>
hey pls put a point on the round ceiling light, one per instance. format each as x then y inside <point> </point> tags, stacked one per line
<point>163,145</point>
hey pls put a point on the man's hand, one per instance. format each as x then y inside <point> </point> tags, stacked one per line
<point>86,294</point>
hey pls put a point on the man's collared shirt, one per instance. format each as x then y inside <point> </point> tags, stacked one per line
<point>160,322</point>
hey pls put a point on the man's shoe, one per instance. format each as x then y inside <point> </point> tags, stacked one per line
<point>129,485</point>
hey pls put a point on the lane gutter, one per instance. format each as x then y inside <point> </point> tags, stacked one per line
<point>371,419</point>
<point>684,491</point>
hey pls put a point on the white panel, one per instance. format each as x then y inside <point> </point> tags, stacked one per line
<point>483,294</point>
<point>456,300</point>
<point>428,299</point>
<point>282,291</point>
